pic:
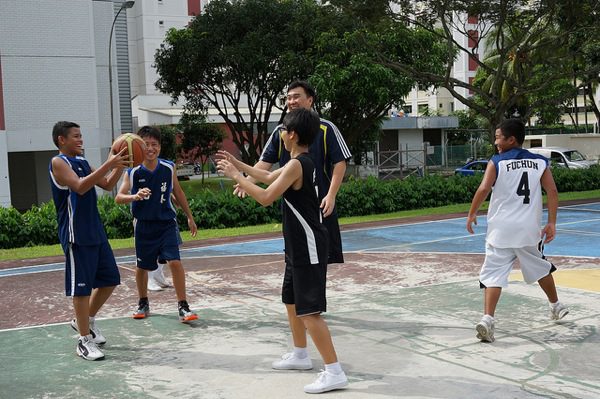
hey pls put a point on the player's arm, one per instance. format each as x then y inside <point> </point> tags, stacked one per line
<point>237,190</point>
<point>286,177</point>
<point>481,194</point>
<point>65,176</point>
<point>183,204</point>
<point>124,195</point>
<point>549,231</point>
<point>258,174</point>
<point>337,176</point>
<point>110,181</point>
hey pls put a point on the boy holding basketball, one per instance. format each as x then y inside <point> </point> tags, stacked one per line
<point>516,178</point>
<point>148,187</point>
<point>305,237</point>
<point>91,271</point>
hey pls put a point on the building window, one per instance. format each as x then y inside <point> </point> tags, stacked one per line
<point>161,23</point>
<point>423,109</point>
<point>471,83</point>
<point>473,19</point>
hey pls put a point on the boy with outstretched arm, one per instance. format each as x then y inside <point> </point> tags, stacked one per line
<point>91,272</point>
<point>305,238</point>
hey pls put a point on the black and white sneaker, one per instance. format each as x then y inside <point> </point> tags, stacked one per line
<point>185,314</point>
<point>87,348</point>
<point>95,332</point>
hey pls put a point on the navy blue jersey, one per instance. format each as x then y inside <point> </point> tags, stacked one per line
<point>158,205</point>
<point>304,234</point>
<point>327,149</point>
<point>78,218</point>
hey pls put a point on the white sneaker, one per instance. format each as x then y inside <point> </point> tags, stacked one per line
<point>327,381</point>
<point>153,285</point>
<point>87,349</point>
<point>95,332</point>
<point>558,311</point>
<point>485,329</point>
<point>158,277</point>
<point>290,362</point>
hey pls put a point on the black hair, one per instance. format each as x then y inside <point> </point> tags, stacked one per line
<point>304,122</point>
<point>308,89</point>
<point>149,131</point>
<point>62,129</point>
<point>513,128</point>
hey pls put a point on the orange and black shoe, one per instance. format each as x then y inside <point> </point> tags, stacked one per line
<point>185,314</point>
<point>143,310</point>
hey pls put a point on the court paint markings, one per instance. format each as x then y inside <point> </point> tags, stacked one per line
<point>355,241</point>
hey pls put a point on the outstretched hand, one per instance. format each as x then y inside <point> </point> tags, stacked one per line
<point>118,160</point>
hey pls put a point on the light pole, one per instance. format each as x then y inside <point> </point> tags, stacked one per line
<point>125,4</point>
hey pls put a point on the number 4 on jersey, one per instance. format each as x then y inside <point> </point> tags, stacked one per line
<point>523,188</point>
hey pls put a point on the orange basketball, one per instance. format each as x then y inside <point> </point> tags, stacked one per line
<point>135,147</point>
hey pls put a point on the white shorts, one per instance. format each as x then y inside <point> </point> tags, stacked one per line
<point>499,262</point>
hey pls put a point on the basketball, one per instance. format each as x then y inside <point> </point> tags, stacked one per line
<point>135,147</point>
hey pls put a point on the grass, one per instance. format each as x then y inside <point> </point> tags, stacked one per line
<point>52,250</point>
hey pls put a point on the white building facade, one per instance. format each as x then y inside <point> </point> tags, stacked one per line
<point>54,66</point>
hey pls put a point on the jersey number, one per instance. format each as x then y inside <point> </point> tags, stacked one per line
<point>523,189</point>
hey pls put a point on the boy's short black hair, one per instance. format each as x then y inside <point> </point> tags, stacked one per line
<point>149,131</point>
<point>513,128</point>
<point>304,122</point>
<point>308,89</point>
<point>61,128</point>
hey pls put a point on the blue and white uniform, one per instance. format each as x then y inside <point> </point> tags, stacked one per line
<point>155,224</point>
<point>514,219</point>
<point>327,149</point>
<point>90,262</point>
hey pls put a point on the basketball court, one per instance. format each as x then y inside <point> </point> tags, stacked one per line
<point>401,310</point>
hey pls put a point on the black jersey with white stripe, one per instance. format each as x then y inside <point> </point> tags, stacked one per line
<point>304,234</point>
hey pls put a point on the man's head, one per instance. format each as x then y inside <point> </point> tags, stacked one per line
<point>304,123</point>
<point>300,95</point>
<point>151,137</point>
<point>510,133</point>
<point>62,130</point>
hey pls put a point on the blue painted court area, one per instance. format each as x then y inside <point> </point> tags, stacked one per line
<point>578,228</point>
<point>576,225</point>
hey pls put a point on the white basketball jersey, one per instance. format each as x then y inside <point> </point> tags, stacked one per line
<point>515,211</point>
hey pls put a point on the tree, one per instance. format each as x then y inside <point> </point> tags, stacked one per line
<point>201,140</point>
<point>354,90</point>
<point>168,142</point>
<point>237,58</point>
<point>521,35</point>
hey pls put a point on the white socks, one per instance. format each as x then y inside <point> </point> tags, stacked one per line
<point>334,368</point>
<point>300,353</point>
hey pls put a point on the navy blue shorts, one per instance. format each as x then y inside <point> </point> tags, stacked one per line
<point>156,240</point>
<point>304,286</point>
<point>88,267</point>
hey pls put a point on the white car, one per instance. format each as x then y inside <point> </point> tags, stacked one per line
<point>563,157</point>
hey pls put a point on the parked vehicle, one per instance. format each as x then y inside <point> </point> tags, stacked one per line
<point>472,168</point>
<point>564,157</point>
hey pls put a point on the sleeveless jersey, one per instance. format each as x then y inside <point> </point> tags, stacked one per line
<point>305,237</point>
<point>158,205</point>
<point>327,149</point>
<point>515,212</point>
<point>78,218</point>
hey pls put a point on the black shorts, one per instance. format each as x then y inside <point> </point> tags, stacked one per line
<point>335,239</point>
<point>304,286</point>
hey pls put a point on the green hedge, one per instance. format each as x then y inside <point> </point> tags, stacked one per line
<point>219,209</point>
